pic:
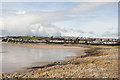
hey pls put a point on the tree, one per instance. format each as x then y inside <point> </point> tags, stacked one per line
<point>51,37</point>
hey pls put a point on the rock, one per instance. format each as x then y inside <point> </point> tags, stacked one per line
<point>108,62</point>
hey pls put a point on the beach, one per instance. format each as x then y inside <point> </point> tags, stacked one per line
<point>46,46</point>
<point>21,57</point>
<point>93,62</point>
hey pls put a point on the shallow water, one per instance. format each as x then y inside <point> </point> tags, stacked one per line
<point>13,58</point>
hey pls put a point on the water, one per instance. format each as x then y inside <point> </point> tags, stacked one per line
<point>16,58</point>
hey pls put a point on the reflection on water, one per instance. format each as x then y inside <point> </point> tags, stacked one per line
<point>15,58</point>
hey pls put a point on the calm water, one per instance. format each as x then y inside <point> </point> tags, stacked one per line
<point>15,58</point>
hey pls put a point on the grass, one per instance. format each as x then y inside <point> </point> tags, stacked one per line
<point>28,37</point>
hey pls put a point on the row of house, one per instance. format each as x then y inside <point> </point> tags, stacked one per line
<point>63,40</point>
<point>15,40</point>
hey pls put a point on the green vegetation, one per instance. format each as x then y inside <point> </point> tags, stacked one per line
<point>29,37</point>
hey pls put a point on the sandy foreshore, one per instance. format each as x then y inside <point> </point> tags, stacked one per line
<point>46,46</point>
<point>53,46</point>
<point>97,62</point>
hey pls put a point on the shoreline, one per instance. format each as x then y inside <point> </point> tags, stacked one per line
<point>55,46</point>
<point>48,46</point>
<point>45,46</point>
<point>103,57</point>
<point>80,52</point>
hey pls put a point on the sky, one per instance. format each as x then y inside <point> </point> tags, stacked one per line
<point>76,19</point>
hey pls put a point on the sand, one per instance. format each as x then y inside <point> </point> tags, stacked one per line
<point>45,46</point>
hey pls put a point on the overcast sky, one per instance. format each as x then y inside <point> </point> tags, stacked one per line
<point>79,19</point>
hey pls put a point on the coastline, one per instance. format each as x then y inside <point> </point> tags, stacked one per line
<point>45,46</point>
<point>78,52</point>
<point>102,57</point>
<point>54,46</point>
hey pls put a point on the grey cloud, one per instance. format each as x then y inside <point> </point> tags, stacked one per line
<point>91,32</point>
<point>80,31</point>
<point>35,30</point>
<point>109,34</point>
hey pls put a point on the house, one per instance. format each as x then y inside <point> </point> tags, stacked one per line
<point>56,41</point>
